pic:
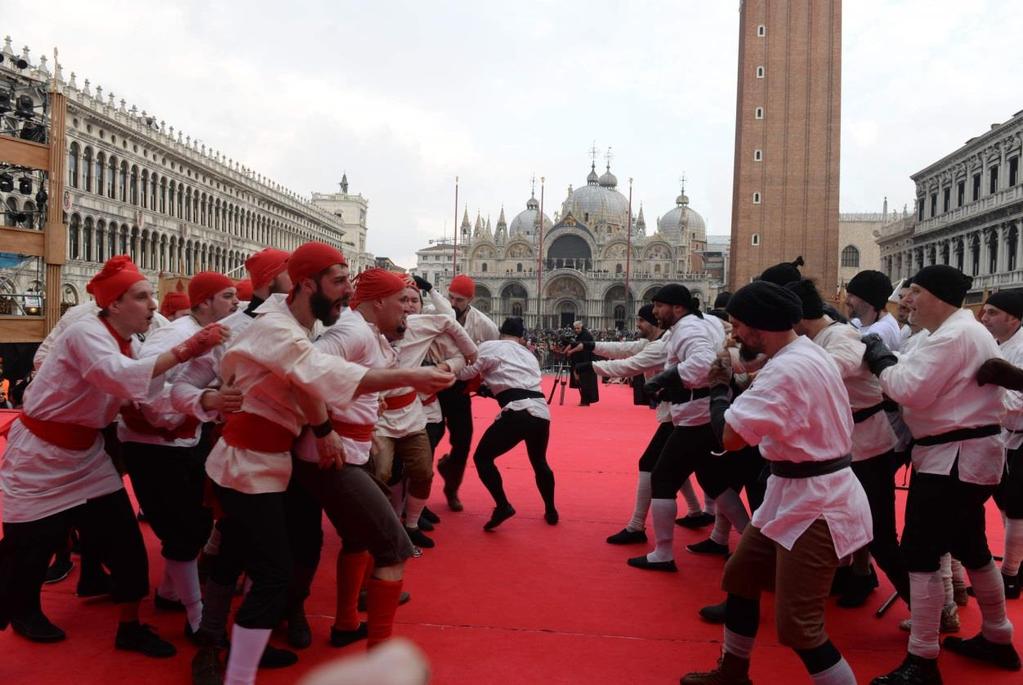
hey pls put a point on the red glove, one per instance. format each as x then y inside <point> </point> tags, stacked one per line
<point>205,340</point>
<point>473,384</point>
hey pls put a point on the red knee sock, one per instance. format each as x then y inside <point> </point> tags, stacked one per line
<point>350,570</point>
<point>381,606</point>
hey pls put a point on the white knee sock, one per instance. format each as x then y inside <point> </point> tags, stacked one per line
<point>729,504</point>
<point>664,512</point>
<point>689,494</point>
<point>926,597</point>
<point>247,645</point>
<point>738,645</point>
<point>398,498</point>
<point>185,577</point>
<point>413,508</point>
<point>638,520</point>
<point>166,587</point>
<point>1013,546</point>
<point>946,579</point>
<point>722,527</point>
<point>990,591</point>
<point>836,674</point>
<point>958,572</point>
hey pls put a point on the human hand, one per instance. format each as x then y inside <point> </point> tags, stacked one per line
<point>331,451</point>
<point>877,356</point>
<point>429,380</point>
<point>721,370</point>
<point>424,285</point>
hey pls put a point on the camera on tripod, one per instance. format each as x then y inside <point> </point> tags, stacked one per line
<point>566,340</point>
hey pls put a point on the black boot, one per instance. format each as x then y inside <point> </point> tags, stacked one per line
<point>139,637</point>
<point>857,588</point>
<point>207,669</point>
<point>59,569</point>
<point>429,516</point>
<point>714,613</point>
<point>300,635</point>
<point>697,520</point>
<point>343,638</point>
<point>419,538</point>
<point>731,670</point>
<point>37,628</point>
<point>914,670</point>
<point>708,546</point>
<point>627,537</point>
<point>502,512</point>
<point>980,648</point>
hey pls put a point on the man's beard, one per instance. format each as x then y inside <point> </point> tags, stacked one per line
<point>323,307</point>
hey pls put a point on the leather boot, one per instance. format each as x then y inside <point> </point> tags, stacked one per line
<point>731,670</point>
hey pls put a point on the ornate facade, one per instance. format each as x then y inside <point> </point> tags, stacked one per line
<point>581,261</point>
<point>137,186</point>
<point>969,213</point>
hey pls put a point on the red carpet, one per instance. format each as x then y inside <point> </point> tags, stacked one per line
<point>528,603</point>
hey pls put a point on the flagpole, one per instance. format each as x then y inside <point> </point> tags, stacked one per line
<point>539,265</point>
<point>628,253</point>
<point>454,252</point>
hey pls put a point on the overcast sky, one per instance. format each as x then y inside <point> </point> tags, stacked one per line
<point>404,96</point>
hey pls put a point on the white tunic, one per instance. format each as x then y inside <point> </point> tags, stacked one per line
<point>627,359</point>
<point>1012,422</point>
<point>479,326</point>
<point>270,361</point>
<point>504,365</point>
<point>937,388</point>
<point>692,347</point>
<point>873,436</point>
<point>83,380</point>
<point>797,409</point>
<point>887,327</point>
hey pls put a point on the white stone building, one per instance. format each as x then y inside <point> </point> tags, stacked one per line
<point>138,186</point>
<point>582,260</point>
<point>969,209</point>
<point>351,209</point>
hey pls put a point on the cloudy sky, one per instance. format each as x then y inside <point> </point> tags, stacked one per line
<point>406,95</point>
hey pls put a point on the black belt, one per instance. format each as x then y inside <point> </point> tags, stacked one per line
<point>959,434</point>
<point>861,415</point>
<point>890,405</point>
<point>683,395</point>
<point>513,394</point>
<point>1017,431</point>
<point>809,469</point>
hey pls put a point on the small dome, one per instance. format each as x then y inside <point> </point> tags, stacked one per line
<point>526,222</point>
<point>608,180</point>
<point>591,178</point>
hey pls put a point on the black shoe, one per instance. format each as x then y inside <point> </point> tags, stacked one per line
<point>644,563</point>
<point>857,589</point>
<point>708,546</point>
<point>429,516</point>
<point>425,525</point>
<point>343,638</point>
<point>300,635</point>
<point>419,538</point>
<point>363,594</point>
<point>139,637</point>
<point>693,521</point>
<point>627,537</point>
<point>501,513</point>
<point>551,517</point>
<point>37,628</point>
<point>914,670</point>
<point>980,648</point>
<point>95,585</point>
<point>164,604</point>
<point>275,657</point>
<point>59,570</point>
<point>207,668</point>
<point>1012,585</point>
<point>714,613</point>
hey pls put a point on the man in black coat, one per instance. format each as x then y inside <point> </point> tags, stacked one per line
<point>585,381</point>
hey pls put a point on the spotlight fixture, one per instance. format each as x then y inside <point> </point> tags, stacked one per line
<point>34,132</point>
<point>25,185</point>
<point>5,101</point>
<point>25,107</point>
<point>6,183</point>
<point>16,62</point>
<point>41,196</point>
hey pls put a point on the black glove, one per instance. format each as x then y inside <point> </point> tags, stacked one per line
<point>665,381</point>
<point>719,404</point>
<point>484,391</point>
<point>1000,372</point>
<point>877,355</point>
<point>424,285</point>
<point>583,367</point>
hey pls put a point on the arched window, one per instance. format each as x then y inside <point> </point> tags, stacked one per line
<point>87,240</point>
<point>112,177</point>
<point>73,235</point>
<point>72,165</point>
<point>516,309</point>
<point>618,268</point>
<point>101,246</point>
<point>518,267</point>
<point>123,182</point>
<point>850,256</point>
<point>100,169</point>
<point>87,168</point>
<point>484,268</point>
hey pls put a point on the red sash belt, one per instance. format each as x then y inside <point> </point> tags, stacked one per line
<point>430,400</point>
<point>400,401</point>
<point>360,432</point>
<point>70,436</point>
<point>137,421</point>
<point>252,432</point>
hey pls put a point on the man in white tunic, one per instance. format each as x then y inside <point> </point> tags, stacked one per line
<point>1001,316</point>
<point>866,302</point>
<point>958,459</point>
<point>55,470</point>
<point>814,510</point>
<point>513,375</point>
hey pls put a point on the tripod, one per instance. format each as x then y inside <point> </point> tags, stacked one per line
<point>560,376</point>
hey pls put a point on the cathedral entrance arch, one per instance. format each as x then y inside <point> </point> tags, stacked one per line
<point>482,299</point>
<point>567,295</point>
<point>570,252</point>
<point>565,313</point>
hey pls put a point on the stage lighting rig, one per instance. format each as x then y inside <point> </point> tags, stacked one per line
<point>25,185</point>
<point>6,183</point>
<point>16,62</point>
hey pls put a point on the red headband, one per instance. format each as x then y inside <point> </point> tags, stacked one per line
<point>463,285</point>
<point>264,266</point>
<point>207,284</point>
<point>117,275</point>
<point>374,284</point>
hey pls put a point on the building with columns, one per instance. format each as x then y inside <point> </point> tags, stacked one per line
<point>575,267</point>
<point>140,187</point>
<point>969,212</point>
<point>351,209</point>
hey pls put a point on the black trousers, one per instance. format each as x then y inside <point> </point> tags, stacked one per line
<point>255,530</point>
<point>588,388</point>
<point>686,451</point>
<point>944,514</point>
<point>653,450</point>
<point>169,485</point>
<point>456,407</point>
<point>435,431</point>
<point>26,549</point>
<point>877,476</point>
<point>1009,495</point>
<point>507,431</point>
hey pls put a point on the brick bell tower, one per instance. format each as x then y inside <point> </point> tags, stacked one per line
<point>787,134</point>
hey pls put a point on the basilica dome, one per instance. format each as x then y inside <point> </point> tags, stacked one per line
<point>670,224</point>
<point>598,202</point>
<point>525,222</point>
